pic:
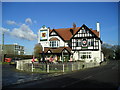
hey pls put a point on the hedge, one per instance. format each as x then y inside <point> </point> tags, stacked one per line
<point>18,56</point>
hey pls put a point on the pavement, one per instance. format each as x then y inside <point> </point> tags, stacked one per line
<point>105,76</point>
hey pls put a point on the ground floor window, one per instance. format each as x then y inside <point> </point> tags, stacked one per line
<point>85,55</point>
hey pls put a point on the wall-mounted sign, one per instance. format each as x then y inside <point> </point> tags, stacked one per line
<point>84,43</point>
<point>43,35</point>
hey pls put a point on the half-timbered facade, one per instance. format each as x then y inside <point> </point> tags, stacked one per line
<point>76,43</point>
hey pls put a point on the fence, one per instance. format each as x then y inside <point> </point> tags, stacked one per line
<point>55,67</point>
<point>20,65</point>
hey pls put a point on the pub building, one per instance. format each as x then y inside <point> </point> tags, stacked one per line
<point>71,44</point>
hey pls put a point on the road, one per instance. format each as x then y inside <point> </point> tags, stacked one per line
<point>105,76</point>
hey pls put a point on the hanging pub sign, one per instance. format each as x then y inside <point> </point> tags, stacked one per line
<point>43,34</point>
<point>84,43</point>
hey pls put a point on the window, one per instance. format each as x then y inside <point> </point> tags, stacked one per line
<point>89,56</point>
<point>92,43</point>
<point>83,31</point>
<point>54,43</point>
<point>89,42</point>
<point>16,47</point>
<point>85,55</point>
<point>78,43</point>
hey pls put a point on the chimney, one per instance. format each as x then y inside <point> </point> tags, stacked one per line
<point>98,28</point>
<point>49,28</point>
<point>90,28</point>
<point>74,25</point>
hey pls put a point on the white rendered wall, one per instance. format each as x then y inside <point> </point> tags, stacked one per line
<point>75,55</point>
<point>43,43</point>
<point>95,56</point>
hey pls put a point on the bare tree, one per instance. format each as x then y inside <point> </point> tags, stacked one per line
<point>37,50</point>
<point>111,51</point>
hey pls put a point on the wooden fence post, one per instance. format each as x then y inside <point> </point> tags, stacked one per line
<point>47,68</point>
<point>32,67</point>
<point>78,66</point>
<point>63,68</point>
<point>72,66</point>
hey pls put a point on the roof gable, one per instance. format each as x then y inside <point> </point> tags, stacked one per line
<point>53,33</point>
<point>85,29</point>
<point>67,33</point>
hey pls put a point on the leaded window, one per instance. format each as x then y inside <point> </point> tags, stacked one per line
<point>54,43</point>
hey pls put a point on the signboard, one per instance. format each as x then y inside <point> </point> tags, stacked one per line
<point>43,35</point>
<point>84,43</point>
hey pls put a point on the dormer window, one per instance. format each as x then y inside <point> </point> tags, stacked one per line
<point>54,42</point>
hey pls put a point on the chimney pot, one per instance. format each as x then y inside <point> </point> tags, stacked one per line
<point>74,25</point>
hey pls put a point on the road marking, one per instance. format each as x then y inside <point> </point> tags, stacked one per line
<point>76,81</point>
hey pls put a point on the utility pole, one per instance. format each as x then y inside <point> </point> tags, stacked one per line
<point>2,46</point>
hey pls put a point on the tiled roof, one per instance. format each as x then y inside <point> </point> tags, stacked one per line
<point>95,32</point>
<point>66,34</point>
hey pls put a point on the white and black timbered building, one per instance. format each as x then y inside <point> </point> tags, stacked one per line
<point>76,43</point>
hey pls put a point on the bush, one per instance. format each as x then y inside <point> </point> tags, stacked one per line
<point>18,56</point>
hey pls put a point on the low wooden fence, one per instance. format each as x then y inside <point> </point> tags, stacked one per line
<point>55,67</point>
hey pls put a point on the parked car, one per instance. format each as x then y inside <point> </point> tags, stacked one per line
<point>13,62</point>
<point>8,59</point>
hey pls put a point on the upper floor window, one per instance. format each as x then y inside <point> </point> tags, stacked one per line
<point>54,42</point>
<point>78,43</point>
<point>83,31</point>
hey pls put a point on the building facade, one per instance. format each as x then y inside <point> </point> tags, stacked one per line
<point>14,49</point>
<point>76,43</point>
